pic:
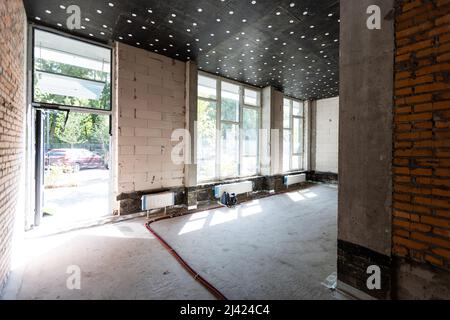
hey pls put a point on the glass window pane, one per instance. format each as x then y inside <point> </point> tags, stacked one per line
<point>286,150</point>
<point>250,119</point>
<point>206,140</point>
<point>207,87</point>
<point>297,108</point>
<point>250,132</point>
<point>286,116</point>
<point>298,135</point>
<point>250,141</point>
<point>230,102</point>
<point>296,163</point>
<point>251,97</point>
<point>51,86</point>
<point>71,72</point>
<point>229,155</point>
<point>249,166</point>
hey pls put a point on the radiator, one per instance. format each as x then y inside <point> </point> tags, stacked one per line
<point>157,200</point>
<point>294,179</point>
<point>237,188</point>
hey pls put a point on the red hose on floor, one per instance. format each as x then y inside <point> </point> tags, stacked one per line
<point>183,263</point>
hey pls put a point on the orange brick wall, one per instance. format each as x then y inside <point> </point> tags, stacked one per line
<point>12,109</point>
<point>421,171</point>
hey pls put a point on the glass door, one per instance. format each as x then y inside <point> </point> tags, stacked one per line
<point>74,167</point>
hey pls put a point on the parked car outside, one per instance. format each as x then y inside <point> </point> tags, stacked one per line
<point>76,159</point>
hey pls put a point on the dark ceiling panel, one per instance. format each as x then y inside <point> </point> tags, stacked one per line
<point>291,45</point>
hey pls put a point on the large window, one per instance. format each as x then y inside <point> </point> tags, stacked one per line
<point>293,135</point>
<point>69,72</point>
<point>227,129</point>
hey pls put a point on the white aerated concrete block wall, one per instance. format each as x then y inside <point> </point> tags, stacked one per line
<point>327,125</point>
<point>151,103</point>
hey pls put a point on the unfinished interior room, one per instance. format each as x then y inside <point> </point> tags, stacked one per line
<point>224,150</point>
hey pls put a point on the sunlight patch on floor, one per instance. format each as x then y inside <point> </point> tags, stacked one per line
<point>193,226</point>
<point>200,220</point>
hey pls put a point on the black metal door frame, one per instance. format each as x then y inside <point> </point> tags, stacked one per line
<point>39,166</point>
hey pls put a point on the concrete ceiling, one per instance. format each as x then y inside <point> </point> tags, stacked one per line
<point>291,45</point>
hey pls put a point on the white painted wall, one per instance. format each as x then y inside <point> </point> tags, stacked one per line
<point>327,126</point>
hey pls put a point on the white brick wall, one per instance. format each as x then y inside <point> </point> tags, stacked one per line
<point>151,102</point>
<point>327,125</point>
<point>12,114</point>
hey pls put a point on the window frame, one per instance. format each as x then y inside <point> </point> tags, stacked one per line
<point>63,106</point>
<point>219,124</point>
<point>292,154</point>
<point>258,108</point>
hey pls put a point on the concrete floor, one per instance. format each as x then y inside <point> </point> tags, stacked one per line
<point>117,261</point>
<point>281,247</point>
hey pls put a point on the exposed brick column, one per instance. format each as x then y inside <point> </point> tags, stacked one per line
<point>12,112</point>
<point>421,206</point>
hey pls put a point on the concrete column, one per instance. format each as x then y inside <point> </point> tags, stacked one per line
<point>190,175</point>
<point>277,132</point>
<point>265,141</point>
<point>271,144</point>
<point>307,135</point>
<point>312,135</point>
<point>365,146</point>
